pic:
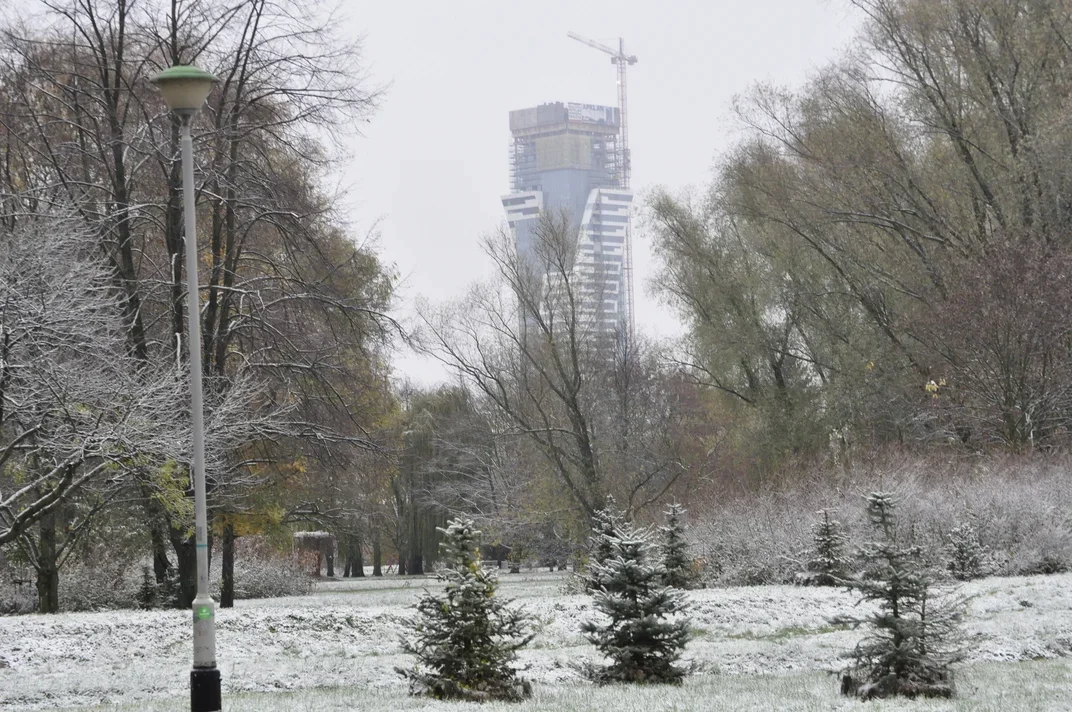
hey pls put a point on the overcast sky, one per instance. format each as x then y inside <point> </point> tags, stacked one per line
<point>432,164</point>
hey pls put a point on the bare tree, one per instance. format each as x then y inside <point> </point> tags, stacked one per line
<point>532,343</point>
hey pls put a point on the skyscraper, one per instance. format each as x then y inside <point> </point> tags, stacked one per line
<point>564,158</point>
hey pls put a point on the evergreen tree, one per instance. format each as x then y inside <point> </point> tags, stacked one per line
<point>907,652</point>
<point>605,524</point>
<point>678,563</point>
<point>466,638</point>
<point>967,555</point>
<point>639,637</point>
<point>829,565</point>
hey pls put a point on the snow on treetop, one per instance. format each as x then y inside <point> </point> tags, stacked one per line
<point>312,535</point>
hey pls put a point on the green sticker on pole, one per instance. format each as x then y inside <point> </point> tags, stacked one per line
<point>203,612</point>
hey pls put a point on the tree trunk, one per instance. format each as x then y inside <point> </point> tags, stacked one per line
<point>48,575</point>
<point>158,535</point>
<point>161,563</point>
<point>48,589</point>
<point>227,574</point>
<point>377,556</point>
<point>358,559</point>
<point>186,565</point>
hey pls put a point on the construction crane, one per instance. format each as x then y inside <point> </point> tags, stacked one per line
<point>622,61</point>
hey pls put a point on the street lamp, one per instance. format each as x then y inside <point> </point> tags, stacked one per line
<point>185,90</point>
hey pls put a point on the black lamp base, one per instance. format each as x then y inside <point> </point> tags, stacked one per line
<point>205,690</point>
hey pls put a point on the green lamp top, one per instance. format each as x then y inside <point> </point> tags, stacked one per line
<point>183,71</point>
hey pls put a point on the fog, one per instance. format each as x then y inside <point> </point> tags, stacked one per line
<point>431,166</point>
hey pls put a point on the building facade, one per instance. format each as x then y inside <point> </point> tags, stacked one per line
<point>565,160</point>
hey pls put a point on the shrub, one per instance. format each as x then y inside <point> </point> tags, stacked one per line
<point>1021,509</point>
<point>261,572</point>
<point>17,599</point>
<point>98,585</point>
<point>466,639</point>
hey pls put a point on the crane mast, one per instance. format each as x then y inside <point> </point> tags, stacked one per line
<point>622,61</point>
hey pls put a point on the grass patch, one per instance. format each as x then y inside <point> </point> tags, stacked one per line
<point>780,634</point>
<point>992,687</point>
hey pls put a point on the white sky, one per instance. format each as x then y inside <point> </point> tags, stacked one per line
<point>432,164</point>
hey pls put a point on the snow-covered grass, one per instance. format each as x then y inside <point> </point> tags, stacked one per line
<point>760,648</point>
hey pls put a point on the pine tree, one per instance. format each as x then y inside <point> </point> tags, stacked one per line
<point>639,637</point>
<point>678,563</point>
<point>829,565</point>
<point>466,638</point>
<point>908,649</point>
<point>967,555</point>
<point>605,523</point>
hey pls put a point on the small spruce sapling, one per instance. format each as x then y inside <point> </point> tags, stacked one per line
<point>908,650</point>
<point>967,555</point>
<point>829,564</point>
<point>466,638</point>
<point>644,632</point>
<point>677,561</point>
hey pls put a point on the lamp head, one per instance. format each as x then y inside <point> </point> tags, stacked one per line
<point>184,88</point>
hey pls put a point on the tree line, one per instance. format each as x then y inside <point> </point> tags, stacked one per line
<point>883,256</point>
<point>880,260</point>
<point>293,305</point>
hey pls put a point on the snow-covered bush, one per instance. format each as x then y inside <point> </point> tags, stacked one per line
<point>1021,509</point>
<point>262,572</point>
<point>466,638</point>
<point>99,584</point>
<point>152,594</point>
<point>643,632</point>
<point>270,578</point>
<point>17,598</point>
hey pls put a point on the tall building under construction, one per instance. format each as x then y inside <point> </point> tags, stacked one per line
<point>569,158</point>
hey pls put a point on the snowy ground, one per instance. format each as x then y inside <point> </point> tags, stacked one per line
<point>762,648</point>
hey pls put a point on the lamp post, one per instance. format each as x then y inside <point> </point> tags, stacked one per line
<point>184,90</point>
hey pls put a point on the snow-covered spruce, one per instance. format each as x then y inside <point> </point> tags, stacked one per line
<point>829,565</point>
<point>677,561</point>
<point>605,523</point>
<point>466,638</point>
<point>967,555</point>
<point>639,636</point>
<point>908,650</point>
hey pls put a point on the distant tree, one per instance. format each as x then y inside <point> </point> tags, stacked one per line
<point>677,561</point>
<point>829,564</point>
<point>600,413</point>
<point>466,638</point>
<point>638,635</point>
<point>908,651</point>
